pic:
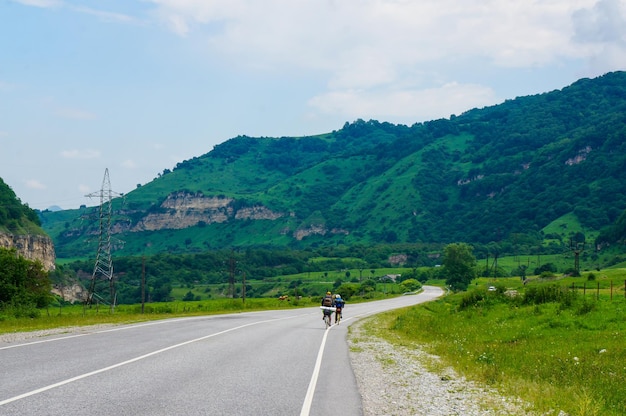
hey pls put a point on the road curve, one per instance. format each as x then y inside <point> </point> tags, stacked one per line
<point>259,363</point>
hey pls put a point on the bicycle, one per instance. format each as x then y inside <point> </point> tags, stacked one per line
<point>337,315</point>
<point>327,320</point>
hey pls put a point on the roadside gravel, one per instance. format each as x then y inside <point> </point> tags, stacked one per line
<point>32,336</point>
<point>400,381</point>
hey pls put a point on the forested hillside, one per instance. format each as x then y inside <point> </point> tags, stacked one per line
<point>15,217</point>
<point>528,175</point>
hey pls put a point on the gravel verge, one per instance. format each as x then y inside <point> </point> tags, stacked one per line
<point>400,381</point>
<point>12,337</point>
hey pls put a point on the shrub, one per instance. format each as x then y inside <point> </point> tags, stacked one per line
<point>537,295</point>
<point>585,307</point>
<point>410,285</point>
<point>548,267</point>
<point>481,297</point>
<point>472,298</point>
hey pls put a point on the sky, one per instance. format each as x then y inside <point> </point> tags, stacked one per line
<point>134,87</point>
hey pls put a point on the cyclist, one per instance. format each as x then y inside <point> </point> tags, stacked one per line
<point>339,304</point>
<point>327,301</point>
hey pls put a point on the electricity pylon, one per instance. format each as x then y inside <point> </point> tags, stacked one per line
<point>576,247</point>
<point>103,268</point>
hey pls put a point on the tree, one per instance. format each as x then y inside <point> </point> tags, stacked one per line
<point>410,285</point>
<point>23,283</point>
<point>458,264</point>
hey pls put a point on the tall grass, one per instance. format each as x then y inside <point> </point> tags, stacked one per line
<point>554,348</point>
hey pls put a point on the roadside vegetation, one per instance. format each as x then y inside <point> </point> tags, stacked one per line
<point>555,342</point>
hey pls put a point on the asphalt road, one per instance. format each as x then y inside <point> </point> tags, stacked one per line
<point>261,363</point>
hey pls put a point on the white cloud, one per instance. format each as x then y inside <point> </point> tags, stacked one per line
<point>80,154</point>
<point>601,32</point>
<point>323,34</point>
<point>106,16</point>
<point>381,57</point>
<point>603,23</point>
<point>34,184</point>
<point>40,3</point>
<point>101,14</point>
<point>406,105</point>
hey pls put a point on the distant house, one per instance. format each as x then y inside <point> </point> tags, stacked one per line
<point>391,277</point>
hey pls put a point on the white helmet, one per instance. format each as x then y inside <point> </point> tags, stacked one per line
<point>337,296</point>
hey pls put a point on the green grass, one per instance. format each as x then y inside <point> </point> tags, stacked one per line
<point>567,354</point>
<point>77,315</point>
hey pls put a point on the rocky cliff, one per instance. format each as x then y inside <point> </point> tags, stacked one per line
<point>31,247</point>
<point>183,210</point>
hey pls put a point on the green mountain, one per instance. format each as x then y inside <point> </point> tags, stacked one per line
<point>530,172</point>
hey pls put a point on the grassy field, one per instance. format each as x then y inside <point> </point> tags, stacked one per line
<point>555,347</point>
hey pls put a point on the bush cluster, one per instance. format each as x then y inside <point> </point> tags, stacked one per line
<point>532,295</point>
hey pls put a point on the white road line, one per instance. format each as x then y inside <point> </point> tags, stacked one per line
<point>102,331</point>
<point>132,360</point>
<point>308,399</point>
<point>120,328</point>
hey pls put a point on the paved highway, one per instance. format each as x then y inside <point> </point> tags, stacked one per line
<point>260,363</point>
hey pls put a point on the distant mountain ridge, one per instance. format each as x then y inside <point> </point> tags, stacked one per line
<point>534,169</point>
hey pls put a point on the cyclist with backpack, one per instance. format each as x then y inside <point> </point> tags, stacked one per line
<point>328,301</point>
<point>339,304</point>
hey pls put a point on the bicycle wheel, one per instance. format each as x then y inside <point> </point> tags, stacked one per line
<point>327,320</point>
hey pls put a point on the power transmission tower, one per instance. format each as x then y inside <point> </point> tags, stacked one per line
<point>103,268</point>
<point>576,247</point>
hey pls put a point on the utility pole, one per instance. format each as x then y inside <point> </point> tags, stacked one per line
<point>103,268</point>
<point>243,288</point>
<point>143,283</point>
<point>231,278</point>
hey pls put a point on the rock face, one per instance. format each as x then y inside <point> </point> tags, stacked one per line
<point>184,209</point>
<point>31,247</point>
<point>71,293</point>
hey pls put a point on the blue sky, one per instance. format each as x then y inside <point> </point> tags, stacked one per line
<point>136,86</point>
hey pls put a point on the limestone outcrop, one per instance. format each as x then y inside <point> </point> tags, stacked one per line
<point>31,247</point>
<point>185,209</point>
